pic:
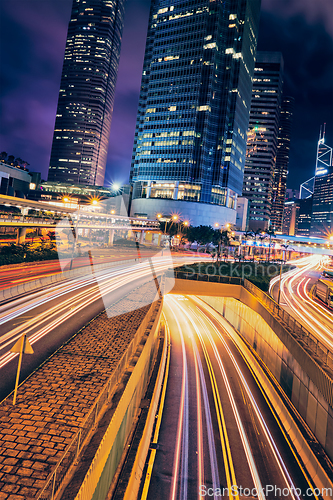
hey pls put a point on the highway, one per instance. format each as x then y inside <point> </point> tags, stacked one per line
<point>297,299</point>
<point>217,436</point>
<point>51,316</point>
<point>16,274</point>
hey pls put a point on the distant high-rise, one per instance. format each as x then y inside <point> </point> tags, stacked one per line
<point>282,161</point>
<point>190,139</point>
<point>85,105</point>
<point>304,216</point>
<point>322,206</point>
<point>262,142</point>
<point>290,217</point>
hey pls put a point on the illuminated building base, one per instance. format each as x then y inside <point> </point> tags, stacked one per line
<point>195,213</point>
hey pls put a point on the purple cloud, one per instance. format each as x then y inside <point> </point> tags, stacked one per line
<point>314,11</point>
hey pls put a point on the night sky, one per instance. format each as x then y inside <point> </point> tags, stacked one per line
<point>33,36</point>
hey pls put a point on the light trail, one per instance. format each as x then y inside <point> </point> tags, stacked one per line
<point>182,436</point>
<point>243,423</point>
<point>208,417</point>
<point>295,296</point>
<point>246,446</point>
<point>53,317</point>
<point>283,469</point>
<point>225,328</point>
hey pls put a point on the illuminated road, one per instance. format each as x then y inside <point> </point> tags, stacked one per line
<point>49,317</point>
<point>21,273</point>
<point>217,430</point>
<point>296,298</point>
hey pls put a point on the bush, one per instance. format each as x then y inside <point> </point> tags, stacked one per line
<point>260,274</point>
<point>15,254</point>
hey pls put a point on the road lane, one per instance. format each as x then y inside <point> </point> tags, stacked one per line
<point>17,274</point>
<point>50,317</point>
<point>212,397</point>
<point>297,300</point>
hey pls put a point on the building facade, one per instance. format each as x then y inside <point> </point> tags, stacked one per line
<point>262,142</point>
<point>322,207</point>
<point>282,161</point>
<point>190,139</point>
<point>290,217</point>
<point>14,181</point>
<point>85,104</point>
<point>304,216</point>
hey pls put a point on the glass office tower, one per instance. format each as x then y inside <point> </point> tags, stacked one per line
<point>322,205</point>
<point>190,139</point>
<point>282,161</point>
<point>262,141</point>
<point>85,105</point>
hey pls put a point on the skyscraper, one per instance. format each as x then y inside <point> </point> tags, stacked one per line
<point>282,161</point>
<point>190,138</point>
<point>322,205</point>
<point>85,105</point>
<point>262,143</point>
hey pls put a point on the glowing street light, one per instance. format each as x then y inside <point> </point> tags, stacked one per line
<point>92,201</point>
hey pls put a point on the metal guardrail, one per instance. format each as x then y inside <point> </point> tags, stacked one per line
<point>107,222</point>
<point>72,453</point>
<point>304,337</point>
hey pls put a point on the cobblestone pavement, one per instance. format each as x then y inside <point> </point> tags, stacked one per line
<point>54,401</point>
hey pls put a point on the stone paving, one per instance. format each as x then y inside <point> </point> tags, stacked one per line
<point>54,401</point>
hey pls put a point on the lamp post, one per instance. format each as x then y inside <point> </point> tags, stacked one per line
<point>283,257</point>
<point>173,219</point>
<point>226,229</point>
<point>271,233</point>
<point>94,202</point>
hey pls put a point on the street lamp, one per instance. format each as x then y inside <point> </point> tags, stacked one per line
<point>92,201</point>
<point>283,257</point>
<point>226,228</point>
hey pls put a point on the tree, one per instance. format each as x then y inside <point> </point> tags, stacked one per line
<point>224,237</point>
<point>3,156</point>
<point>201,234</point>
<point>10,159</point>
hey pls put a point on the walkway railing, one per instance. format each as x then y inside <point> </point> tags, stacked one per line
<point>304,337</point>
